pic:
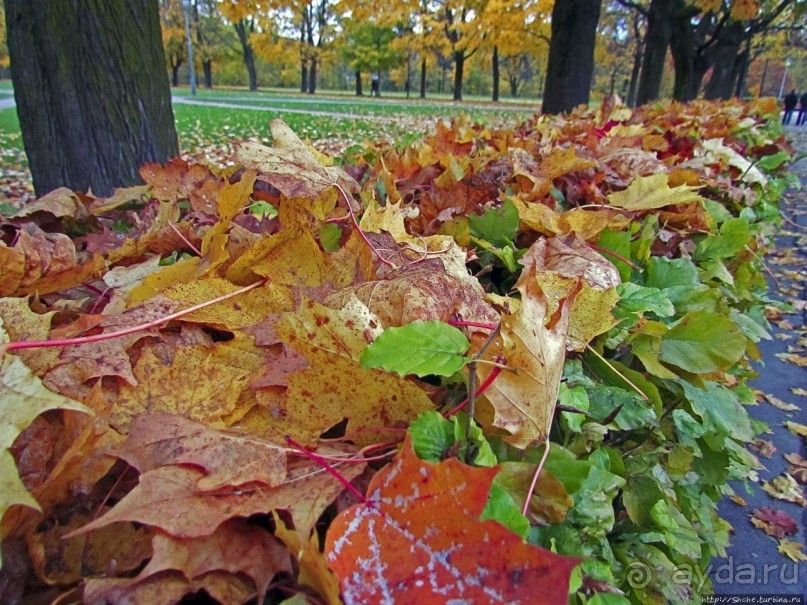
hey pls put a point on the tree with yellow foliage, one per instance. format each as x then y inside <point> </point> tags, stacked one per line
<point>244,15</point>
<point>172,22</point>
<point>517,35</point>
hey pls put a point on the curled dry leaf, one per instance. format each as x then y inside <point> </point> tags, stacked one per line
<point>160,493</point>
<point>524,399</point>
<point>563,265</point>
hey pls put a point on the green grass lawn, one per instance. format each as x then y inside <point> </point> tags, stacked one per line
<point>205,132</point>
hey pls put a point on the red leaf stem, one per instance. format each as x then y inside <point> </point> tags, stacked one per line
<point>471,324</point>
<point>328,468</point>
<point>64,342</point>
<point>482,388</point>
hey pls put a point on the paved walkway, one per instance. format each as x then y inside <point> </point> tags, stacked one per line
<point>753,565</point>
<point>330,114</point>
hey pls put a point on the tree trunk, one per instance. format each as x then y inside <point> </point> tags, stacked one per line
<point>725,62</point>
<point>175,73</point>
<point>743,62</point>
<point>571,54</point>
<point>91,91</point>
<point>656,40</point>
<point>303,75</point>
<point>359,92</point>
<point>243,31</point>
<point>513,86</point>
<point>495,65</point>
<point>459,66</point>
<point>207,67</point>
<point>423,78</point>
<point>637,66</point>
<point>312,77</point>
<point>761,92</point>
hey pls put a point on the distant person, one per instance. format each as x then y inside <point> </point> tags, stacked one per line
<point>374,88</point>
<point>802,119</point>
<point>791,99</point>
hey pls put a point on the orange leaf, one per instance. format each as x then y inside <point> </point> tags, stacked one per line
<point>421,541</point>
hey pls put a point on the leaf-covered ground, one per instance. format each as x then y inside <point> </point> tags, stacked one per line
<point>495,365</point>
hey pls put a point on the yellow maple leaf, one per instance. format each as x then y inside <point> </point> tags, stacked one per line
<point>335,386</point>
<point>792,550</point>
<point>23,397</point>
<point>201,383</point>
<point>649,192</point>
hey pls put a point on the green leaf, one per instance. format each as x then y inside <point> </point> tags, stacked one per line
<point>678,532</point>
<point>640,494</point>
<point>475,448</point>
<point>329,236</point>
<point>733,237</point>
<point>422,348</point>
<point>607,598</point>
<point>702,342</point>
<point>496,226</point>
<point>772,162</point>
<point>262,209</point>
<point>665,273</point>
<point>577,398</point>
<point>432,435</point>
<point>618,242</point>
<point>502,508</point>
<point>634,414</point>
<point>720,410</point>
<point>639,299</point>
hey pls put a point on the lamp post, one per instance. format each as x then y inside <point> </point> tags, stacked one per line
<point>788,63</point>
<point>186,9</point>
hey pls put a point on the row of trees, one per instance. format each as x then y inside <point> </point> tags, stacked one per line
<point>711,42</point>
<point>89,75</point>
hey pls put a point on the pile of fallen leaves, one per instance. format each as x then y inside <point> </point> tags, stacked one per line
<point>493,366</point>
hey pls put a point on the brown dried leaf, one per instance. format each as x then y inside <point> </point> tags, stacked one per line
<point>524,400</point>
<point>291,166</point>
<point>228,459</point>
<point>163,492</point>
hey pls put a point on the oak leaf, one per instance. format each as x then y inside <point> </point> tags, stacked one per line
<point>419,539</point>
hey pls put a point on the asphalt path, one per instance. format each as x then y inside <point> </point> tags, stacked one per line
<point>753,566</point>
